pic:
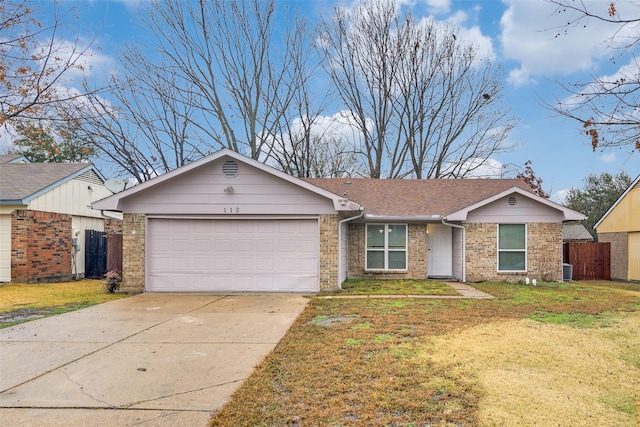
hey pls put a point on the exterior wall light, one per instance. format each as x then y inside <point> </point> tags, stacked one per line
<point>228,190</point>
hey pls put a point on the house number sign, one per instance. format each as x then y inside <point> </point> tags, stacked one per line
<point>231,209</point>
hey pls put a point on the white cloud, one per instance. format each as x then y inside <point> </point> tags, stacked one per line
<point>608,157</point>
<point>477,168</point>
<point>88,61</point>
<point>438,6</point>
<point>560,196</point>
<point>474,36</point>
<point>520,77</point>
<point>465,33</point>
<point>533,34</point>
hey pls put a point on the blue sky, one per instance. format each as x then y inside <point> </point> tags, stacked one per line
<point>521,34</point>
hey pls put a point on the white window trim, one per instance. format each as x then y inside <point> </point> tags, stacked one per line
<point>386,248</point>
<point>525,250</point>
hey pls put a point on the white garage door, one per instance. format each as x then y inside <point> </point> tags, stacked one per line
<point>198,255</point>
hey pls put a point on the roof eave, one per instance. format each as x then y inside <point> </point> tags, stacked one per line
<point>13,202</point>
<point>569,215</point>
<point>113,202</point>
<point>392,218</point>
<point>622,196</point>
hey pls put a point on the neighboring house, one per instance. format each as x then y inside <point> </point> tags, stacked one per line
<point>229,223</point>
<point>43,207</point>
<point>620,226</point>
<point>575,233</point>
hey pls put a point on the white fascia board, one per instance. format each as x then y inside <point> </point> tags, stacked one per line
<point>569,215</point>
<point>622,196</point>
<point>113,202</point>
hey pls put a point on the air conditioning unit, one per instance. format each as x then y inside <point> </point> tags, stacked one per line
<point>567,272</point>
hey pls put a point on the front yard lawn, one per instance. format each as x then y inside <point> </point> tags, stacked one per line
<point>20,302</point>
<point>555,354</point>
<point>393,287</point>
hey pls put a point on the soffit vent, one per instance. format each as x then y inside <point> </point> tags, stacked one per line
<point>230,168</point>
<point>512,201</point>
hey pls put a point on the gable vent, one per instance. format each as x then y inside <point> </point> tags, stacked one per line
<point>512,201</point>
<point>90,177</point>
<point>230,169</point>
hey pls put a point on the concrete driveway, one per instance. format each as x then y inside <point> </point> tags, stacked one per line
<point>151,359</point>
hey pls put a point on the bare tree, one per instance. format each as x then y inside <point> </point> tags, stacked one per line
<point>34,61</point>
<point>143,128</point>
<point>362,55</point>
<point>241,84</point>
<point>427,104</point>
<point>606,106</point>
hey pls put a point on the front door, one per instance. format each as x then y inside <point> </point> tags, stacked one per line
<point>439,251</point>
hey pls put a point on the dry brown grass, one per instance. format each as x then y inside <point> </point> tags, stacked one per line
<point>535,373</point>
<point>21,301</point>
<point>418,362</point>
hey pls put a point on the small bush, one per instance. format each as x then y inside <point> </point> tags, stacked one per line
<point>113,281</point>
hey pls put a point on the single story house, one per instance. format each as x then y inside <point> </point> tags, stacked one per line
<point>620,226</point>
<point>229,223</point>
<point>44,212</point>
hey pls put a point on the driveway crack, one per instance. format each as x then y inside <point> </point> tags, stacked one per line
<point>83,391</point>
<point>130,405</point>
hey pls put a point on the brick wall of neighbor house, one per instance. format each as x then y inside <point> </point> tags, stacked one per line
<point>417,256</point>
<point>113,226</point>
<point>40,246</point>
<point>544,253</point>
<point>328,252</point>
<point>619,253</point>
<point>133,249</point>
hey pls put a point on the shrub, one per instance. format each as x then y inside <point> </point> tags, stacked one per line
<point>113,281</point>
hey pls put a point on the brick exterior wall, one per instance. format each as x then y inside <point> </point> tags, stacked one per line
<point>113,226</point>
<point>328,252</point>
<point>417,255</point>
<point>544,253</point>
<point>619,253</point>
<point>133,252</point>
<point>40,246</point>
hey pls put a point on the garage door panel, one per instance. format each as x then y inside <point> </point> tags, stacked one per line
<point>202,245</point>
<point>265,245</point>
<point>190,255</point>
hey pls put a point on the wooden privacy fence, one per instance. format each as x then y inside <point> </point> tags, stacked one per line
<point>95,254</point>
<point>114,252</point>
<point>103,252</point>
<point>590,260</point>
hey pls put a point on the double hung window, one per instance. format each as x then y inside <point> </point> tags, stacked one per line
<point>386,247</point>
<point>512,247</point>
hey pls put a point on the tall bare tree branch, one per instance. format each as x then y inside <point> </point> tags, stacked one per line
<point>426,103</point>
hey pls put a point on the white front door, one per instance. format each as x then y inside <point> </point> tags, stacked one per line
<point>439,251</point>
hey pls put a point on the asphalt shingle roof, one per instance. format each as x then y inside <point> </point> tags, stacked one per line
<point>412,197</point>
<point>20,180</point>
<point>6,158</point>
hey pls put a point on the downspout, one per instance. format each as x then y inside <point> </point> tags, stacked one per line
<point>464,247</point>
<point>340,243</point>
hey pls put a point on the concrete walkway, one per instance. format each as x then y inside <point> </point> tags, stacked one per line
<point>465,291</point>
<point>150,360</point>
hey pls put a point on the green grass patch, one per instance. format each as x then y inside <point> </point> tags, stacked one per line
<point>21,302</point>
<point>393,287</point>
<point>576,320</point>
